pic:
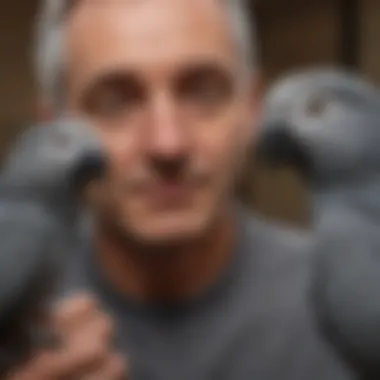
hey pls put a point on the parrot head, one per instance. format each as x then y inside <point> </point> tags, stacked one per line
<point>43,176</point>
<point>64,156</point>
<point>324,123</point>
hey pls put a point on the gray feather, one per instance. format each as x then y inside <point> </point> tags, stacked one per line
<point>39,208</point>
<point>326,123</point>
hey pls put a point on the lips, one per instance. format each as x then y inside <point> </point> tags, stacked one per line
<point>170,193</point>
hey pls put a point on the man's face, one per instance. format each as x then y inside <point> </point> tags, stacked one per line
<point>162,81</point>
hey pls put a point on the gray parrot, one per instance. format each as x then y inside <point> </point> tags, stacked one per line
<point>41,186</point>
<point>325,123</point>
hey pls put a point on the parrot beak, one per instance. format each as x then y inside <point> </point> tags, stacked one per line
<point>279,146</point>
<point>91,166</point>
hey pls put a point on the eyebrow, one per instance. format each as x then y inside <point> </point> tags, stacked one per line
<point>104,77</point>
<point>204,67</point>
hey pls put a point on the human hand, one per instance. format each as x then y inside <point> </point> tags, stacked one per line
<point>86,351</point>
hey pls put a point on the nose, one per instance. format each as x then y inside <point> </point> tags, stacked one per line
<point>168,140</point>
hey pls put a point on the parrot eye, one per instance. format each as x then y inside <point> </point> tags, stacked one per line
<point>316,106</point>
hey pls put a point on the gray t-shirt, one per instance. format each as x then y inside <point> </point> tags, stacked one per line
<point>255,323</point>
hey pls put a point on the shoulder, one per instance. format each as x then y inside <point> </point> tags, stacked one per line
<point>278,260</point>
<point>278,275</point>
<point>275,242</point>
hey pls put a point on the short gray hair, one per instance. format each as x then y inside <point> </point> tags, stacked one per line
<point>49,56</point>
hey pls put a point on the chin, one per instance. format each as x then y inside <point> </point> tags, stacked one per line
<point>171,228</point>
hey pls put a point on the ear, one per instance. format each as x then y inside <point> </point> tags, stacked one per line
<point>44,111</point>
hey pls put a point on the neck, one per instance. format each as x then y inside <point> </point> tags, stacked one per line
<point>171,273</point>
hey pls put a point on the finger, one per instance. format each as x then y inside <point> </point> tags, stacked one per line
<point>53,366</point>
<point>64,364</point>
<point>114,369</point>
<point>99,330</point>
<point>41,366</point>
<point>84,351</point>
<point>74,312</point>
<point>87,349</point>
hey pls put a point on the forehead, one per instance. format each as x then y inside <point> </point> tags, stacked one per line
<point>147,34</point>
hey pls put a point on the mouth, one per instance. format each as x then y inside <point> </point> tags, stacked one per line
<point>279,147</point>
<point>169,194</point>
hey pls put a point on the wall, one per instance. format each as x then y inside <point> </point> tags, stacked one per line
<point>298,33</point>
<point>16,89</point>
<point>370,39</point>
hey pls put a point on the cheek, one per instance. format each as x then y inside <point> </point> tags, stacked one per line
<point>121,147</point>
<point>224,142</point>
<point>120,141</point>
